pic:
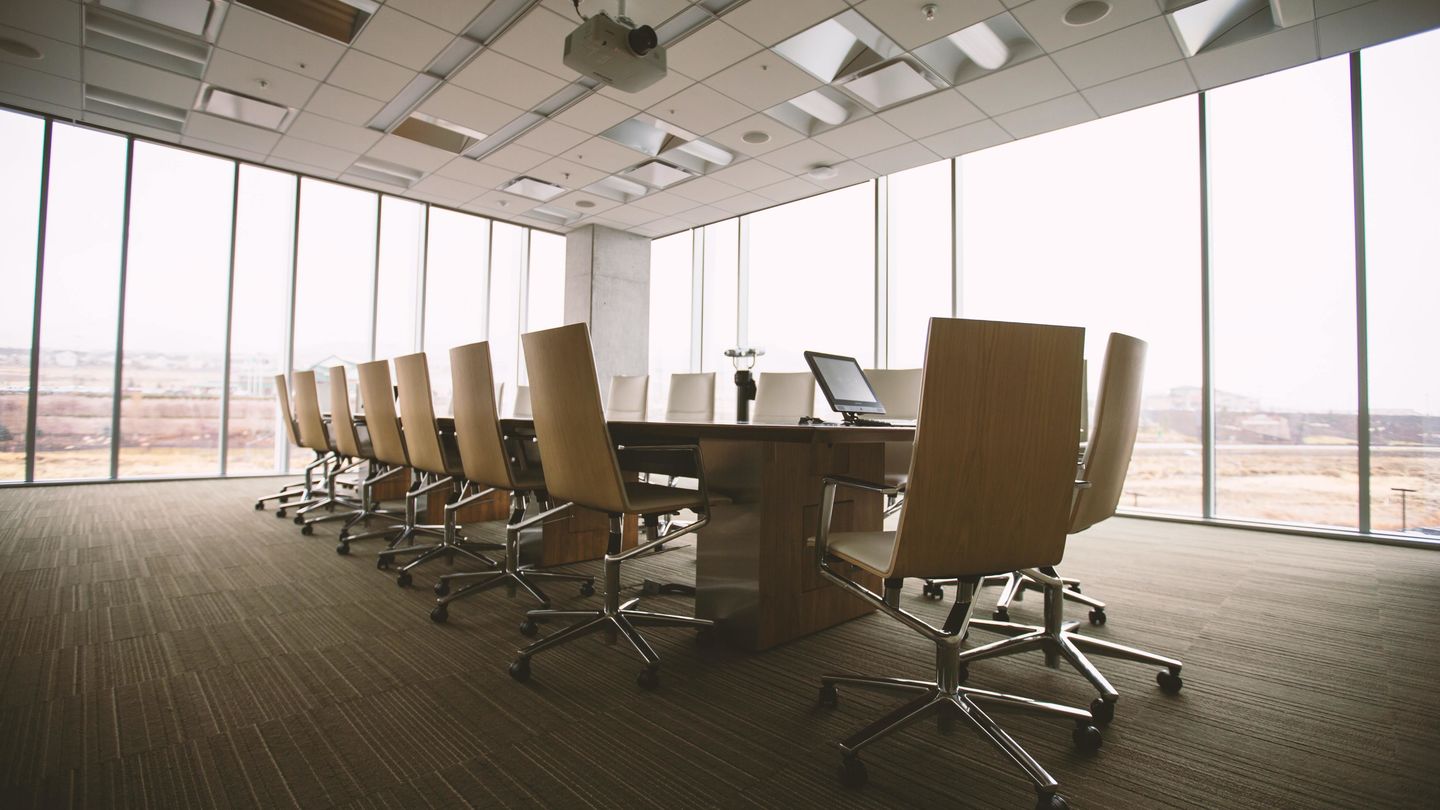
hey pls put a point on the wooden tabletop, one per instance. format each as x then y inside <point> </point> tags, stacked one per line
<point>650,430</point>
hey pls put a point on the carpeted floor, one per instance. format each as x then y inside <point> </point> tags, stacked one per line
<point>163,645</point>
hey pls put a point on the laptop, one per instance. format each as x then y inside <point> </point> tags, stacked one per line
<point>846,387</point>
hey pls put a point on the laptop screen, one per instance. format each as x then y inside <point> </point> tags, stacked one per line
<point>844,383</point>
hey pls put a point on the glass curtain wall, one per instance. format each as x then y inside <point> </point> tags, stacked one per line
<point>400,279</point>
<point>672,272</point>
<point>507,266</point>
<point>919,259</point>
<point>21,163</point>
<point>456,279</point>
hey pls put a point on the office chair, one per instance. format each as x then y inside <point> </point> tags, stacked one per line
<point>521,408</point>
<point>628,398</point>
<point>1107,458</point>
<point>692,398</point>
<point>783,397</point>
<point>899,391</point>
<point>491,464</point>
<point>304,488</point>
<point>436,463</point>
<point>388,445</point>
<point>582,469</point>
<point>989,489</point>
<point>314,435</point>
<point>354,444</point>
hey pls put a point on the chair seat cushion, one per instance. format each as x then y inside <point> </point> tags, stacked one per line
<point>869,550</point>
<point>651,498</point>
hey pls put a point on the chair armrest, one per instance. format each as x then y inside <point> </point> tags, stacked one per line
<point>663,459</point>
<point>860,483</point>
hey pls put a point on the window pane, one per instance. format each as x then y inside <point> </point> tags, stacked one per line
<point>402,258</point>
<point>544,297</point>
<point>722,269</point>
<point>455,282</point>
<point>264,254</point>
<point>1402,249</point>
<point>1282,253</point>
<point>672,269</point>
<point>919,230</point>
<point>507,262</point>
<point>1109,242</point>
<point>812,279</point>
<point>336,274</point>
<point>80,303</point>
<point>176,285</point>
<point>22,140</point>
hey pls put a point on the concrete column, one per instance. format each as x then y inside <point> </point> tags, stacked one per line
<point>607,285</point>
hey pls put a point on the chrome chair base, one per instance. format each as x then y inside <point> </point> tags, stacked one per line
<point>371,510</point>
<point>1013,588</point>
<point>616,618</point>
<point>451,543</point>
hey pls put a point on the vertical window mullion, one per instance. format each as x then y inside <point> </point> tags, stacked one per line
<point>1207,312</point>
<point>229,322</point>
<point>284,433</point>
<point>1362,322</point>
<point>33,396</point>
<point>120,319</point>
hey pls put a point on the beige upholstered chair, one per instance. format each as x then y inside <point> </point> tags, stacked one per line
<point>493,462</point>
<point>351,442</point>
<point>302,490</point>
<point>388,445</point>
<point>990,487</point>
<point>314,436</point>
<point>582,468</point>
<point>521,408</point>
<point>1106,461</point>
<point>436,462</point>
<point>899,391</point>
<point>692,398</point>
<point>784,396</point>
<point>628,398</point>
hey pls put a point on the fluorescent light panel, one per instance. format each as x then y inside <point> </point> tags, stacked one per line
<point>533,189</point>
<point>658,174</point>
<point>337,19</point>
<point>139,41</point>
<point>889,84</point>
<point>245,109</point>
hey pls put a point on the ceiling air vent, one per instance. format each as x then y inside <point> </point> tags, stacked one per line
<point>533,189</point>
<point>245,109</point>
<point>337,19</point>
<point>890,83</point>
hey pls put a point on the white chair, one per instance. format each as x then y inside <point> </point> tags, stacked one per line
<point>784,397</point>
<point>628,397</point>
<point>522,402</point>
<point>692,398</point>
<point>899,391</point>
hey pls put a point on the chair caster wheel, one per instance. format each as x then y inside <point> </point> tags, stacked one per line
<point>307,530</point>
<point>529,628</point>
<point>852,772</point>
<point>383,563</point>
<point>442,588</point>
<point>279,513</point>
<point>403,580</point>
<point>587,588</point>
<point>932,591</point>
<point>1002,615</point>
<point>1097,616</point>
<point>1102,710</point>
<point>299,520</point>
<point>1087,737</point>
<point>439,614</point>
<point>1053,801</point>
<point>829,696</point>
<point>1169,681</point>
<point>648,679</point>
<point>1076,588</point>
<point>259,506</point>
<point>342,548</point>
<point>520,669</point>
<point>650,588</point>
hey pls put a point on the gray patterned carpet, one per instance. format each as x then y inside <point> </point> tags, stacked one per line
<point>163,645</point>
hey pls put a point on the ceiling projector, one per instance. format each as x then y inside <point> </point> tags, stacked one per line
<point>625,56</point>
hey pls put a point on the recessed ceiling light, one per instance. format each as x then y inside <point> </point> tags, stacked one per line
<point>245,109</point>
<point>532,188</point>
<point>755,136</point>
<point>584,203</point>
<point>822,172</point>
<point>1086,12</point>
<point>24,50</point>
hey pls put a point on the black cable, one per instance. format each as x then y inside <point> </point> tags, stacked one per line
<point>582,17</point>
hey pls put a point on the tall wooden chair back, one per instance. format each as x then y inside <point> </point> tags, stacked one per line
<point>1112,438</point>
<point>992,477</point>
<point>380,421</point>
<point>575,446</point>
<point>307,413</point>
<point>417,414</point>
<point>342,422</point>
<point>477,422</point>
<point>282,395</point>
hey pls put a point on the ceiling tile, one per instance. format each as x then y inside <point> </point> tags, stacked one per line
<point>318,128</point>
<point>898,159</point>
<point>604,154</point>
<point>452,15</point>
<point>551,138</point>
<point>211,146</point>
<point>230,133</point>
<point>56,20</point>
<point>664,202</point>
<point>460,106</point>
<point>500,77</point>
<point>704,190</point>
<point>699,109</point>
<point>969,138</point>
<point>744,203</point>
<point>32,84</point>
<point>846,174</point>
<point>643,12</point>
<point>1362,27</point>
<point>732,137</point>
<point>630,216</point>
<point>445,188</point>
<point>762,81</point>
<point>58,58</point>
<point>538,40</point>
<point>661,227</point>
<point>143,131</point>
<point>343,105</point>
<point>863,137</point>
<point>243,75</point>
<point>703,215</point>
<point>674,82</point>
<point>370,76</point>
<point>1264,54</point>
<point>300,167</point>
<point>415,155</point>
<point>475,173</point>
<point>595,114</point>
<point>1044,21</point>
<point>1129,50</point>
<point>793,189</point>
<point>596,203</point>
<point>770,22</point>
<point>750,175</point>
<point>906,23</point>
<point>397,37</point>
<point>498,203</point>
<point>714,47</point>
<point>1162,83</point>
<point>1019,86</point>
<point>313,154</point>
<point>516,158</point>
<point>800,157</point>
<point>373,184</point>
<point>260,36</point>
<point>107,71</point>
<point>564,173</point>
<point>934,113</point>
<point>1047,115</point>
